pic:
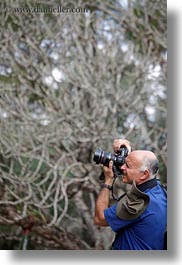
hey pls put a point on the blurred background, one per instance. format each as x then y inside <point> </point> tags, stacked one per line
<point>74,75</point>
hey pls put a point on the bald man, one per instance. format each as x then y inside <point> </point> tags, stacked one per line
<point>139,219</point>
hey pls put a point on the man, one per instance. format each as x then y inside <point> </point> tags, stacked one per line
<point>139,219</point>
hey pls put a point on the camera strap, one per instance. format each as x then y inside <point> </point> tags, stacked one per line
<point>112,192</point>
<point>117,173</point>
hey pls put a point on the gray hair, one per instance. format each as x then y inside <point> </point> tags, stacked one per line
<point>152,165</point>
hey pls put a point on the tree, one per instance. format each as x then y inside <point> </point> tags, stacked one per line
<point>72,82</point>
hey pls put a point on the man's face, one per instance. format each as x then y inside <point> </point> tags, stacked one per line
<point>131,169</point>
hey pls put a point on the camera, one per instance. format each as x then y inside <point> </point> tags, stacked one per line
<point>102,157</point>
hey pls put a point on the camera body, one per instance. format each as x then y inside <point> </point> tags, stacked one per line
<point>102,157</point>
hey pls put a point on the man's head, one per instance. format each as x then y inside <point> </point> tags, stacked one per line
<point>140,165</point>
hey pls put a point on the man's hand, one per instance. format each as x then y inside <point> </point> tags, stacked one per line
<point>108,173</point>
<point>103,199</point>
<point>118,142</point>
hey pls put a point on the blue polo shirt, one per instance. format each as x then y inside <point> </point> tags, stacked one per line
<point>145,232</point>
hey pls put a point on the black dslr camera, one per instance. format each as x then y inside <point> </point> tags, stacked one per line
<point>101,157</point>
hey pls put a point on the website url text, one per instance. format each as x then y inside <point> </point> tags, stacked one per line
<point>39,9</point>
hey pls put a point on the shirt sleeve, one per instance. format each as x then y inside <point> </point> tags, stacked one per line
<point>115,222</point>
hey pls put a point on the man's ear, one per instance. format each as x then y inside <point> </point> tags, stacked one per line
<point>145,175</point>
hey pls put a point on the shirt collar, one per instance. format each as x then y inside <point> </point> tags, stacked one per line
<point>147,185</point>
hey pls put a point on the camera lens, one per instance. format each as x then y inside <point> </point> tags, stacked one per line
<point>101,157</point>
<point>98,156</point>
<point>106,158</point>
